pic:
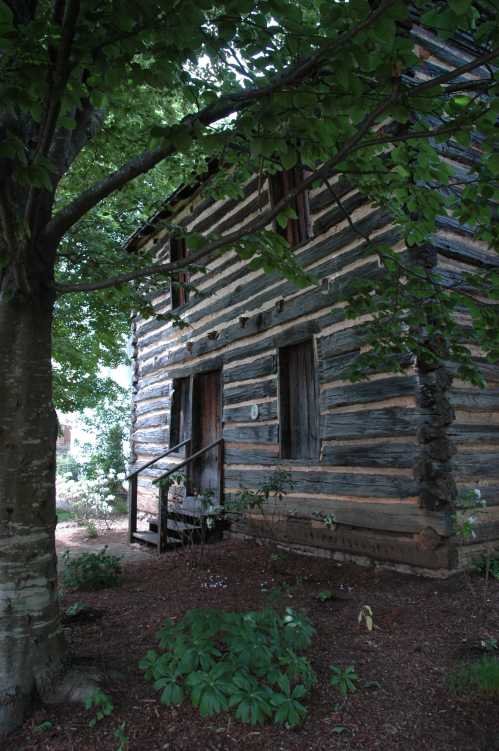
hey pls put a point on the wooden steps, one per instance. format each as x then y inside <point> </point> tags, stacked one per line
<point>188,524</point>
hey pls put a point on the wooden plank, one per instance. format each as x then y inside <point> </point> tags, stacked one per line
<point>252,391</point>
<point>391,421</point>
<point>363,484</point>
<point>481,401</point>
<point>368,391</point>
<point>397,455</point>
<point>359,542</point>
<point>265,365</point>
<point>406,518</point>
<point>132,507</point>
<point>266,411</point>
<point>252,433</point>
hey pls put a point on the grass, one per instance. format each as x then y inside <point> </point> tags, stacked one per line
<point>65,516</point>
<point>479,677</point>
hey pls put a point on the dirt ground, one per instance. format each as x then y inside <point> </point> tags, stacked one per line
<point>73,537</point>
<point>403,702</point>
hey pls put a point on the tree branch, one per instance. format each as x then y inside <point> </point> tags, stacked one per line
<point>254,226</point>
<point>226,105</point>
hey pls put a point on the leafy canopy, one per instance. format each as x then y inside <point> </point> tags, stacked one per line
<point>105,106</point>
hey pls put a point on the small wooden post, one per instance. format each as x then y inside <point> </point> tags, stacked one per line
<point>220,472</point>
<point>132,506</point>
<point>163,519</point>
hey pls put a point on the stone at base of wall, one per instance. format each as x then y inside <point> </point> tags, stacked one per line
<point>341,557</point>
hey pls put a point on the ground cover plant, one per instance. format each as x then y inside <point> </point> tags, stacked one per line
<point>90,571</point>
<point>249,663</point>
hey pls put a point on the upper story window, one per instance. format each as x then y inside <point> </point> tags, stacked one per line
<point>281,184</point>
<point>298,402</point>
<point>179,293</point>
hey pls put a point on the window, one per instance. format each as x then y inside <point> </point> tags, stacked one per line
<point>179,294</point>
<point>180,411</point>
<point>282,183</point>
<point>299,402</point>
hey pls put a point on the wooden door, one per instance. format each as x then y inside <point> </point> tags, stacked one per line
<point>206,428</point>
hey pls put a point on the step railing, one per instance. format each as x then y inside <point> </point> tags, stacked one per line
<point>164,487</point>
<point>133,479</point>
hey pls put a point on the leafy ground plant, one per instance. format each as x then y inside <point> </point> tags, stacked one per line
<point>480,677</point>
<point>247,663</point>
<point>101,703</point>
<point>344,679</point>
<point>91,571</point>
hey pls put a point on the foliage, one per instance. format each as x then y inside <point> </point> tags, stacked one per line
<point>325,595</point>
<point>90,499</point>
<point>91,571</point>
<point>110,422</point>
<point>487,564</point>
<point>121,737</point>
<point>344,679</point>
<point>468,505</point>
<point>248,663</point>
<point>266,499</point>
<point>101,703</point>
<point>481,677</point>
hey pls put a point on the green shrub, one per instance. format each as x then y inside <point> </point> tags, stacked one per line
<point>247,663</point>
<point>91,570</point>
<point>481,676</point>
<point>492,564</point>
<point>344,679</point>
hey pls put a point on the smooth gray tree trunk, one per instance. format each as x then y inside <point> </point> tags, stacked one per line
<point>31,639</point>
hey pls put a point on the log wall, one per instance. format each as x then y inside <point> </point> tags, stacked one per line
<point>386,468</point>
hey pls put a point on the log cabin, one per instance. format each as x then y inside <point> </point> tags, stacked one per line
<point>255,383</point>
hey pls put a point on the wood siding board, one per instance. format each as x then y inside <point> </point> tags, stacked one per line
<point>392,421</point>
<point>368,485</point>
<point>396,455</point>
<point>365,392</point>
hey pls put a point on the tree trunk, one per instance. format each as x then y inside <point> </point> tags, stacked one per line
<point>31,639</point>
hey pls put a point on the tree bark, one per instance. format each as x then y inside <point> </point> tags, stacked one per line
<point>31,638</point>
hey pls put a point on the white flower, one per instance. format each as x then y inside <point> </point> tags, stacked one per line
<point>477,493</point>
<point>120,476</point>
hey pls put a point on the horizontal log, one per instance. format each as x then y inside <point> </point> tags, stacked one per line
<point>265,453</point>
<point>252,433</point>
<point>151,436</point>
<point>329,483</point>
<point>252,391</point>
<point>151,405</point>
<point>341,342</point>
<point>156,420</point>
<point>408,518</point>
<point>266,365</point>
<point>368,391</point>
<point>470,464</point>
<point>266,411</point>
<point>395,455</point>
<point>402,549</point>
<point>391,421</point>
<point>481,401</point>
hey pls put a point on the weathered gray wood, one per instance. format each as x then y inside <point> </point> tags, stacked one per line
<point>252,433</point>
<point>476,464</point>
<point>142,408</point>
<point>401,455</point>
<point>151,436</point>
<point>378,516</point>
<point>250,391</point>
<point>266,411</point>
<point>149,422</point>
<point>357,542</point>
<point>371,391</point>
<point>481,401</point>
<point>391,421</point>
<point>329,483</point>
<point>266,365</point>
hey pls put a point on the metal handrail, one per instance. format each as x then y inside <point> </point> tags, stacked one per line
<point>188,460</point>
<point>157,458</point>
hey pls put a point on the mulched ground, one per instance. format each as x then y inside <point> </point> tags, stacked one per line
<point>421,626</point>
